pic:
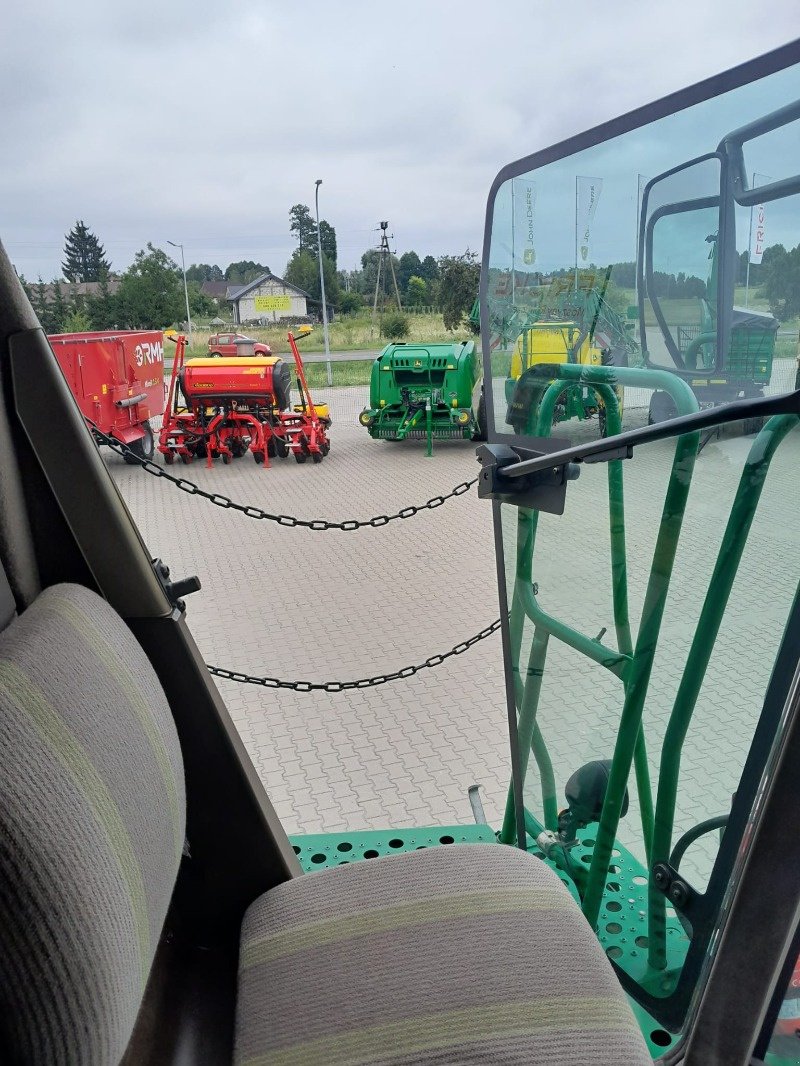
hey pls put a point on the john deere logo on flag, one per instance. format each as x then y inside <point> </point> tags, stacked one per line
<point>529,257</point>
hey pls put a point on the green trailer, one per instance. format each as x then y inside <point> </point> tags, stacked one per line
<point>426,391</point>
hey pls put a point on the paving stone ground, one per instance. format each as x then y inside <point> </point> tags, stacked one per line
<point>331,606</point>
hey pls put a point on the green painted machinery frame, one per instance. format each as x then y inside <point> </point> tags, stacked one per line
<point>631,662</point>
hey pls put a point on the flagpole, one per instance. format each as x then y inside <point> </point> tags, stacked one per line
<point>576,233</point>
<point>513,248</point>
<point>749,252</point>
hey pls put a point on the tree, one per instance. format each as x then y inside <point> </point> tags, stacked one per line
<point>369,272</point>
<point>245,271</point>
<point>350,302</point>
<point>327,238</point>
<point>429,269</point>
<point>84,255</point>
<point>200,305</point>
<point>150,294</point>
<point>76,322</point>
<point>416,292</point>
<point>303,226</point>
<point>61,311</point>
<point>204,272</point>
<point>103,309</point>
<point>781,275</point>
<point>410,266</point>
<point>460,277</point>
<point>37,294</point>
<point>302,270</point>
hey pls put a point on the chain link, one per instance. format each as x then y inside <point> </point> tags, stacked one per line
<point>363,682</point>
<point>250,511</point>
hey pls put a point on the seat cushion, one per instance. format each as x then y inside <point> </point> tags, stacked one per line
<point>458,954</point>
<point>91,829</point>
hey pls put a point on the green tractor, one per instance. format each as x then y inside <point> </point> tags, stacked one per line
<point>426,392</point>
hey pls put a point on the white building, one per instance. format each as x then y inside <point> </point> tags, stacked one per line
<point>267,299</point>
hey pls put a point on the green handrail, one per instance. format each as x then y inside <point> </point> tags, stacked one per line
<point>630,745</point>
<point>730,553</point>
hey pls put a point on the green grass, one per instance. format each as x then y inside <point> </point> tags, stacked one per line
<point>346,334</point>
<point>346,372</point>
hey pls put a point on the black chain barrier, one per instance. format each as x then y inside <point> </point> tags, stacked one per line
<point>250,511</point>
<point>363,682</point>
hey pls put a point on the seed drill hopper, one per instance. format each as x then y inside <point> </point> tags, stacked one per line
<point>426,391</point>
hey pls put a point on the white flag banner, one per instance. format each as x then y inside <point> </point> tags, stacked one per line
<point>757,231</point>
<point>523,194</point>
<point>587,195</point>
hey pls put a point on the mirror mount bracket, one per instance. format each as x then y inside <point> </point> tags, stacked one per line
<point>541,490</point>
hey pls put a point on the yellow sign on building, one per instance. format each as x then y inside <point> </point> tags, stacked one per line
<point>273,303</point>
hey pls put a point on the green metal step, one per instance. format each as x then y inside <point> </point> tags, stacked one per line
<point>317,851</point>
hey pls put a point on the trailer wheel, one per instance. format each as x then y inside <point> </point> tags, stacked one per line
<point>144,448</point>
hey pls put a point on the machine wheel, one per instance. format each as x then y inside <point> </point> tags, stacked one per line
<point>186,459</point>
<point>300,457</point>
<point>169,457</point>
<point>482,428</point>
<point>258,457</point>
<point>317,457</point>
<point>281,448</point>
<point>143,448</point>
<point>662,408</point>
<point>226,458</point>
<point>326,447</point>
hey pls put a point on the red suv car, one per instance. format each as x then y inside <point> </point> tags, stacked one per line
<point>235,344</point>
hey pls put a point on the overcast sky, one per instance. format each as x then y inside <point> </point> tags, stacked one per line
<point>204,123</point>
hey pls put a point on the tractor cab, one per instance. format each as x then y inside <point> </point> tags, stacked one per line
<point>702,237</point>
<point>649,579</point>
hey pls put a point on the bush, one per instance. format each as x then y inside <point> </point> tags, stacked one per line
<point>76,322</point>
<point>395,326</point>
<point>350,303</point>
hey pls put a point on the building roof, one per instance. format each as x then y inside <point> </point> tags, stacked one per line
<point>217,290</point>
<point>70,289</point>
<point>234,294</point>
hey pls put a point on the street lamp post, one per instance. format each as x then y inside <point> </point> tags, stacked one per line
<point>185,289</point>
<point>322,287</point>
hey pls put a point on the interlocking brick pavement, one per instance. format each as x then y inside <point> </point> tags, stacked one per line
<point>331,605</point>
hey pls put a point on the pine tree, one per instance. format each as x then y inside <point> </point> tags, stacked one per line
<point>84,255</point>
<point>60,308</point>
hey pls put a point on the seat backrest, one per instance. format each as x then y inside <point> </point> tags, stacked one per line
<point>92,821</point>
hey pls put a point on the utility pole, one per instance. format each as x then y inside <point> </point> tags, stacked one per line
<point>384,258</point>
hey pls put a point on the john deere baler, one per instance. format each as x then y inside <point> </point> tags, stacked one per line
<point>426,391</point>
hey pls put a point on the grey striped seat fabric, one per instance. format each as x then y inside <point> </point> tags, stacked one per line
<point>91,829</point>
<point>461,954</point>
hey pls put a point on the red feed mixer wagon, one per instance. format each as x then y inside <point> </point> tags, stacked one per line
<point>225,407</point>
<point>117,379</point>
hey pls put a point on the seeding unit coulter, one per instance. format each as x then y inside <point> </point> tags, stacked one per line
<point>224,407</point>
